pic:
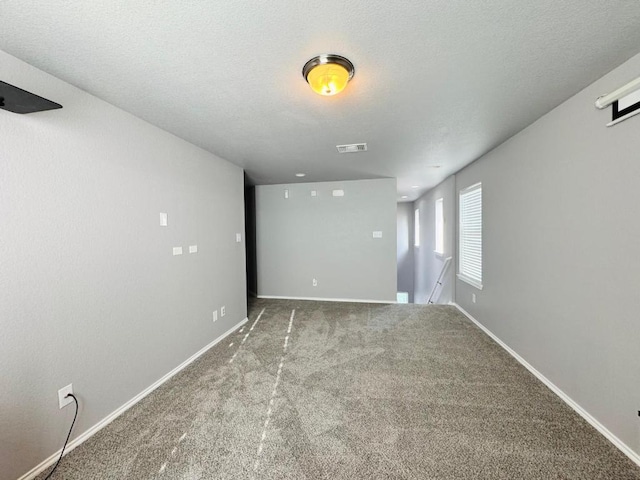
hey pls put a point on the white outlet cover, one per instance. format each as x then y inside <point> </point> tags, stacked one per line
<point>315,282</point>
<point>286,194</point>
<point>164,219</point>
<point>314,193</point>
<point>473,297</point>
<point>177,250</point>
<point>193,248</point>
<point>62,393</point>
<point>338,193</point>
<point>377,234</point>
<point>223,311</point>
<point>215,315</point>
<point>238,237</point>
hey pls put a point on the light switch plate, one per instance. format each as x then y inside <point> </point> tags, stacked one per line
<point>177,250</point>
<point>314,193</point>
<point>193,248</point>
<point>164,219</point>
<point>215,315</point>
<point>377,234</point>
<point>238,237</point>
<point>286,194</point>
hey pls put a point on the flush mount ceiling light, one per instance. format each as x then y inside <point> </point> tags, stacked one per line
<point>328,74</point>
<point>300,175</point>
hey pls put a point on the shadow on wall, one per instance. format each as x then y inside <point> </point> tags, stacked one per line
<point>405,248</point>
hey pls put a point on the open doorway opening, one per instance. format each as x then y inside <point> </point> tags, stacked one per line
<point>405,251</point>
<point>250,237</point>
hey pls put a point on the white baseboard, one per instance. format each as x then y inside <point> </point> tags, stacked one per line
<point>317,299</point>
<point>35,471</point>
<point>623,447</point>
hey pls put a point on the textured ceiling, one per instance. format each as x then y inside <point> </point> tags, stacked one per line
<point>437,83</point>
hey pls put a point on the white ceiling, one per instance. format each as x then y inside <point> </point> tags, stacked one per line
<point>437,83</point>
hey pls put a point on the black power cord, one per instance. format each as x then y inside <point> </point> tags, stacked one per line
<point>68,435</point>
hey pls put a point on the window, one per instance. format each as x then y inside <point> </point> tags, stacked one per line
<point>416,227</point>
<point>470,235</point>
<point>439,226</point>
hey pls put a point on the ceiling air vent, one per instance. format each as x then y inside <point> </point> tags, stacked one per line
<point>353,148</point>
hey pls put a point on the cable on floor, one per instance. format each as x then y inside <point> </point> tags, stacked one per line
<point>68,435</point>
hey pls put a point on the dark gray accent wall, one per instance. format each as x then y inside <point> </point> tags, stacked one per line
<point>327,238</point>
<point>428,264</point>
<point>405,248</point>
<point>90,291</point>
<point>561,269</point>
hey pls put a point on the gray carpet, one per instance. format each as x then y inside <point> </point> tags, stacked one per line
<point>364,391</point>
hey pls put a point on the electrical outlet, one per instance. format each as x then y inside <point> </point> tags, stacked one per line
<point>63,400</point>
<point>215,315</point>
<point>315,282</point>
<point>222,311</point>
<point>473,297</point>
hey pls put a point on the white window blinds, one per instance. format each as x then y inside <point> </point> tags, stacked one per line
<point>470,246</point>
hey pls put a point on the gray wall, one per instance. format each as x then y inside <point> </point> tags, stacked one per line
<point>327,238</point>
<point>428,264</point>
<point>405,248</point>
<point>561,267</point>
<point>90,293</point>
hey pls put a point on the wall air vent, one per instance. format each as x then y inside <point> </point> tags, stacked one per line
<point>353,148</point>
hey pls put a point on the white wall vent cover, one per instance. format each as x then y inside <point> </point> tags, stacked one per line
<point>353,148</point>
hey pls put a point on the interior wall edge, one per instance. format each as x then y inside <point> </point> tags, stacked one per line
<point>575,406</point>
<point>320,299</point>
<point>91,431</point>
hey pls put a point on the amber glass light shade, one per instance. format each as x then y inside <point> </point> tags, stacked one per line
<point>328,74</point>
<point>328,79</point>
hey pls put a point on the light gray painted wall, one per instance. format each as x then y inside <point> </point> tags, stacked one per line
<point>405,248</point>
<point>560,241</point>
<point>327,238</point>
<point>428,264</point>
<point>90,293</point>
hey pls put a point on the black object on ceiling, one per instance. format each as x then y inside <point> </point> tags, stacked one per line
<point>17,100</point>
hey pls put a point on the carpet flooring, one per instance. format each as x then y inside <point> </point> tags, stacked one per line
<point>314,390</point>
